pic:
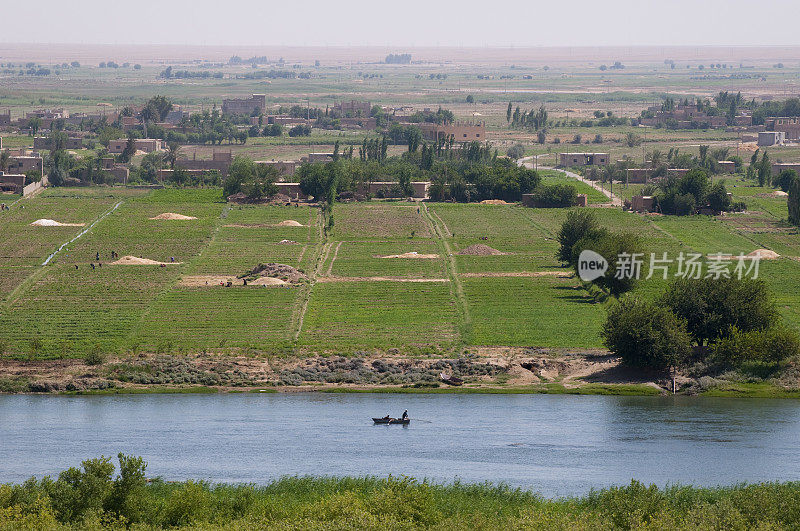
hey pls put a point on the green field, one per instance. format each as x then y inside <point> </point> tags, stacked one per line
<point>363,291</point>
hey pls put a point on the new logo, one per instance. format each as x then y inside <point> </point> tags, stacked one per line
<point>591,265</point>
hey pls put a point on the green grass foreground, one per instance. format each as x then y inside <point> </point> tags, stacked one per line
<point>89,498</point>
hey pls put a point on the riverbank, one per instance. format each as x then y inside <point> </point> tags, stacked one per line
<point>495,370</point>
<point>372,503</point>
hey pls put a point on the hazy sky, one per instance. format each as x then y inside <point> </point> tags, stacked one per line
<point>403,22</point>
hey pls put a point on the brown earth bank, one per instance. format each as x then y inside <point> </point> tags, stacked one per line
<point>483,369</point>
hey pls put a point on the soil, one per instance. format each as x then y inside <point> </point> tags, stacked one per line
<point>135,260</point>
<point>483,367</point>
<point>412,254</point>
<point>494,202</point>
<point>480,249</point>
<point>531,274</point>
<point>53,223</point>
<point>289,223</point>
<point>764,254</point>
<point>286,273</point>
<point>173,216</point>
<point>210,281</point>
<point>380,279</point>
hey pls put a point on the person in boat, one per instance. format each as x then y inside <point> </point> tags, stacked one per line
<point>387,417</point>
<point>405,415</point>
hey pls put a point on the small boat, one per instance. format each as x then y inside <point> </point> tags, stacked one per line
<point>450,379</point>
<point>390,420</point>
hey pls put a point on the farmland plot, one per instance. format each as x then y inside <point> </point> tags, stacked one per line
<point>72,307</point>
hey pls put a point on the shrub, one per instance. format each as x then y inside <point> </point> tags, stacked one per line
<point>785,179</point>
<point>95,356</point>
<point>772,345</point>
<point>517,151</point>
<point>711,307</point>
<point>555,195</point>
<point>646,335</point>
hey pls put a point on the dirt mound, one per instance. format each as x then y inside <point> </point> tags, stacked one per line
<point>173,216</point>
<point>289,223</point>
<point>480,249</point>
<point>412,254</point>
<point>765,254</point>
<point>284,272</point>
<point>135,260</point>
<point>287,242</point>
<point>53,223</point>
<point>494,202</point>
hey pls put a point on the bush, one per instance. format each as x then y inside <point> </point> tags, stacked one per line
<point>516,152</point>
<point>555,195</point>
<point>785,179</point>
<point>95,356</point>
<point>772,345</point>
<point>712,307</point>
<point>646,335</point>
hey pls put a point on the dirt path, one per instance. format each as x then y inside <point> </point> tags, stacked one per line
<point>33,277</point>
<point>452,273</point>
<point>615,200</point>
<point>321,251</point>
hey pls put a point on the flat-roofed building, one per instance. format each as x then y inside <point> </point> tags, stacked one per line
<point>147,145</point>
<point>459,131</point>
<point>256,103</point>
<point>583,159</point>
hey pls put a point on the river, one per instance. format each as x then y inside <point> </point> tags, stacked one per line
<point>553,444</point>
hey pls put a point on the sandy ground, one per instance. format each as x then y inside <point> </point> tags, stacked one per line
<point>379,279</point>
<point>135,260</point>
<point>53,223</point>
<point>525,367</point>
<point>173,216</point>
<point>412,254</point>
<point>210,281</point>
<point>532,274</point>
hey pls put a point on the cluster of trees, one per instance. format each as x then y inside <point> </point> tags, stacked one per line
<point>440,116</point>
<point>686,194</point>
<point>471,172</point>
<point>582,231</point>
<point>398,59</point>
<point>534,119</point>
<point>717,324</point>
<point>255,181</point>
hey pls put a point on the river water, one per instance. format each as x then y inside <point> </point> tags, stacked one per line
<point>554,444</point>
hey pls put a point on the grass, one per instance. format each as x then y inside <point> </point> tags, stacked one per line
<point>378,503</point>
<point>72,311</point>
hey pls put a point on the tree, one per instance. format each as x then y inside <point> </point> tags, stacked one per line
<point>508,112</point>
<point>764,170</point>
<point>130,149</point>
<point>785,179</point>
<point>516,152</point>
<point>613,247</point>
<point>470,98</point>
<point>718,198</point>
<point>646,335</point>
<point>712,306</point>
<point>34,124</point>
<point>578,225</point>
<point>171,155</point>
<point>4,158</point>
<point>794,202</point>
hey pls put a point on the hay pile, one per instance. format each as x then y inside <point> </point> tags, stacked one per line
<point>173,216</point>
<point>480,250</point>
<point>289,223</point>
<point>288,242</point>
<point>284,272</point>
<point>53,223</point>
<point>135,260</point>
<point>494,202</point>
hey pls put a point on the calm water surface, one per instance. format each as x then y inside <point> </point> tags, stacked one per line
<point>557,445</point>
